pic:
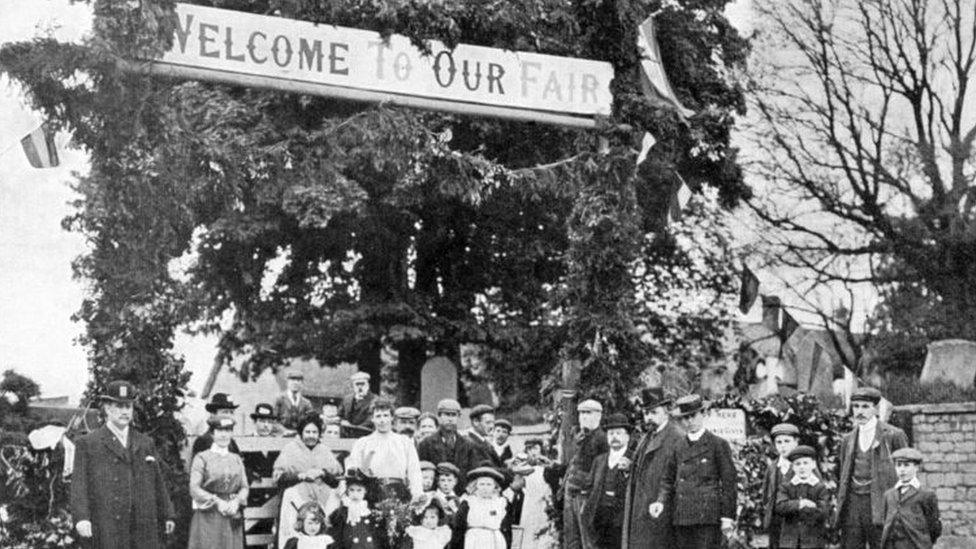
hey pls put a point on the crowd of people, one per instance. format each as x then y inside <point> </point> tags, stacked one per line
<point>674,486</point>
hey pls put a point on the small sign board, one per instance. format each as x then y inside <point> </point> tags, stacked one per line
<point>274,52</point>
<point>728,423</point>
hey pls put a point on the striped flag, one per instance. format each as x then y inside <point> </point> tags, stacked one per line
<point>40,148</point>
<point>655,81</point>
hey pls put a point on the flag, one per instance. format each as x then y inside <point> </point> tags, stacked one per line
<point>646,143</point>
<point>749,290</point>
<point>789,326</point>
<point>679,199</point>
<point>655,81</point>
<point>814,365</point>
<point>39,147</point>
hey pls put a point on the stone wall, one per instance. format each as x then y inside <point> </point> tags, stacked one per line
<point>946,436</point>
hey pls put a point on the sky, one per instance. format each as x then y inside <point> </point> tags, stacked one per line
<point>37,292</point>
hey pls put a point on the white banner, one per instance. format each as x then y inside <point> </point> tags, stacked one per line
<point>728,423</point>
<point>225,42</point>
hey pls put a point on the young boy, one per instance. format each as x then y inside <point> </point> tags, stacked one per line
<point>428,472</point>
<point>803,503</point>
<point>911,513</point>
<point>786,437</point>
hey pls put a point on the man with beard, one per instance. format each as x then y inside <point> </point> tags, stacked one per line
<point>588,442</point>
<point>446,445</point>
<point>866,472</point>
<point>118,496</point>
<point>641,530</point>
<point>604,508</point>
<point>389,458</point>
<point>355,408</point>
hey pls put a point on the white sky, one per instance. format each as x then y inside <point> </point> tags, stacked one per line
<point>37,292</point>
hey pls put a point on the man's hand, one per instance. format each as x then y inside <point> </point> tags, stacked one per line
<point>170,527</point>
<point>84,528</point>
<point>655,509</point>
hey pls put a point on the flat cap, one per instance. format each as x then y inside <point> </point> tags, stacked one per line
<point>449,405</point>
<point>295,374</point>
<point>359,376</point>
<point>119,391</point>
<point>448,468</point>
<point>406,412</point>
<point>333,400</point>
<point>868,394</point>
<point>785,429</point>
<point>589,405</point>
<point>504,424</point>
<point>802,451</point>
<point>480,410</point>
<point>427,466</point>
<point>907,454</point>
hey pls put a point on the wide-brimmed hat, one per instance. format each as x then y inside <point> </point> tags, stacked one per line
<point>263,411</point>
<point>220,401</point>
<point>119,391</point>
<point>617,421</point>
<point>652,397</point>
<point>489,472</point>
<point>689,405</point>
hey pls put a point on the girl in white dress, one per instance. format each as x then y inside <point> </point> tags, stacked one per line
<point>483,520</point>
<point>310,529</point>
<point>430,532</point>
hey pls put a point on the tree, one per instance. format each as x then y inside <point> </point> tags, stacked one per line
<point>329,229</point>
<point>16,390</point>
<point>864,140</point>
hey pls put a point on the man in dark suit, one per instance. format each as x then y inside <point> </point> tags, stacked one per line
<point>701,479</point>
<point>118,496</point>
<point>640,530</point>
<point>589,442</point>
<point>220,405</point>
<point>866,472</point>
<point>603,511</point>
<point>786,437</point>
<point>291,406</point>
<point>911,513</point>
<point>447,445</point>
<point>482,423</point>
<point>354,412</point>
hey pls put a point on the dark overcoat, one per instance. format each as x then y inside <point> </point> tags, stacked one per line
<point>120,491</point>
<point>650,459</point>
<point>887,439</point>
<point>289,414</point>
<point>435,450</point>
<point>805,528</point>
<point>601,484</point>
<point>918,512</point>
<point>357,412</point>
<point>702,479</point>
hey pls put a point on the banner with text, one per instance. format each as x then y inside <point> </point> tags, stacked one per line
<point>224,42</point>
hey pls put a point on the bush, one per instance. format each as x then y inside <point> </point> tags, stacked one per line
<point>906,389</point>
<point>34,500</point>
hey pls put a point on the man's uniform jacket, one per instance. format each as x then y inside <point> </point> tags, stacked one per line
<point>120,491</point>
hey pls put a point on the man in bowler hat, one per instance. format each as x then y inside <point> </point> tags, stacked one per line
<point>663,435</point>
<point>701,477</point>
<point>118,496</point>
<point>866,472</point>
<point>604,508</point>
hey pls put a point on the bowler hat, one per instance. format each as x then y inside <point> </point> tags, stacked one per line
<point>480,410</point>
<point>689,405</point>
<point>652,397</point>
<point>220,401</point>
<point>907,454</point>
<point>802,451</point>
<point>119,391</point>
<point>616,421</point>
<point>263,411</point>
<point>866,394</point>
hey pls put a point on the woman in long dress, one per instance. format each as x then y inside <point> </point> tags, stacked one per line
<point>218,486</point>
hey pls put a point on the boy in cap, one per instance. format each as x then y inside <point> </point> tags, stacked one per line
<point>220,405</point>
<point>118,495</point>
<point>604,508</point>
<point>802,503</point>
<point>866,472</point>
<point>330,407</point>
<point>500,434</point>
<point>291,405</point>
<point>911,513</point>
<point>428,474</point>
<point>786,437</point>
<point>589,442</point>
<point>355,408</point>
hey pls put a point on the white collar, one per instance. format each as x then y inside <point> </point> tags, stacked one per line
<point>661,427</point>
<point>784,465</point>
<point>914,483</point>
<point>122,435</point>
<point>614,457</point>
<point>812,480</point>
<point>870,426</point>
<point>475,434</point>
<point>696,435</point>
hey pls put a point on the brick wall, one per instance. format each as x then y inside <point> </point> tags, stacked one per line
<point>946,436</point>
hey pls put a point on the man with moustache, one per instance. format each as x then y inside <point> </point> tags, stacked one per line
<point>640,529</point>
<point>118,496</point>
<point>588,442</point>
<point>700,481</point>
<point>866,472</point>
<point>447,445</point>
<point>604,508</point>
<point>354,412</point>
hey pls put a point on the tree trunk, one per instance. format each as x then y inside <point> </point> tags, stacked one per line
<point>412,356</point>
